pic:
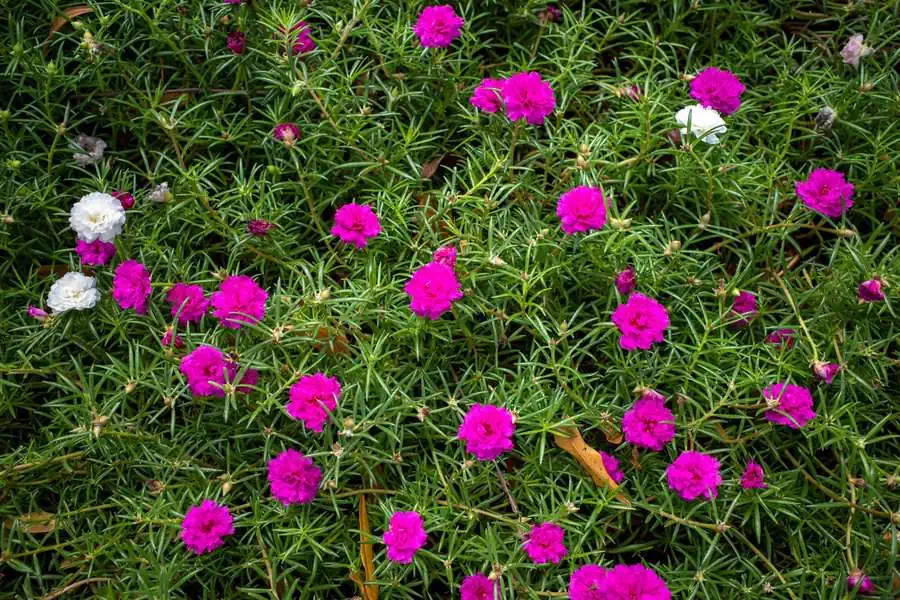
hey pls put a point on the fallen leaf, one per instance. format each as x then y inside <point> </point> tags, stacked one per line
<point>332,344</point>
<point>590,460</point>
<point>35,522</point>
<point>369,592</point>
<point>431,167</point>
<point>67,15</point>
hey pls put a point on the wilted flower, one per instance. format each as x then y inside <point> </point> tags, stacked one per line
<point>260,227</point>
<point>825,118</point>
<point>744,306</point>
<point>854,50</point>
<point>705,123</point>
<point>302,42</point>
<point>161,193</point>
<point>825,371</point>
<point>287,133</point>
<point>860,579</point>
<point>170,338</point>
<point>550,14</point>
<point>438,26</point>
<point>445,255</point>
<point>73,291</point>
<point>237,42</point>
<point>625,281</point>
<point>781,338</point>
<point>93,148</point>
<point>125,198</point>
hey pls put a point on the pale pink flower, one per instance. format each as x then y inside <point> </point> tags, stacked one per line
<point>854,50</point>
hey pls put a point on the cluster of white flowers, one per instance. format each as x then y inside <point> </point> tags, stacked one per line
<point>705,123</point>
<point>97,216</point>
<point>73,291</point>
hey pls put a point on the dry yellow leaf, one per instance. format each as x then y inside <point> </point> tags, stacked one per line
<point>35,522</point>
<point>590,460</point>
<point>367,553</point>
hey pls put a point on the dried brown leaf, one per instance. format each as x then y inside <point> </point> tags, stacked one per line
<point>35,522</point>
<point>367,553</point>
<point>67,15</point>
<point>590,460</point>
<point>431,167</point>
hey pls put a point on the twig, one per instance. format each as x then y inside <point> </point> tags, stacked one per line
<point>800,320</point>
<point>28,466</point>
<point>74,586</point>
<point>505,486</point>
<point>268,565</point>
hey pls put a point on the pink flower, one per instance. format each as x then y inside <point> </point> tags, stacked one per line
<point>445,255</point>
<point>790,405</point>
<point>438,26</point>
<point>611,464</point>
<point>753,477</point>
<point>781,338</point>
<point>260,227</point>
<point>170,338</point>
<point>188,301</point>
<point>825,371</point>
<point>95,253</point>
<point>717,89</point>
<point>312,399</point>
<point>488,95</point>
<point>826,192</point>
<point>641,321</point>
<point>544,544</point>
<point>633,92</point>
<point>124,198</point>
<point>237,42</point>
<point>302,42</point>
<point>477,587</point>
<point>648,423</point>
<point>287,133</point>
<point>238,301</point>
<point>854,50</point>
<point>232,1</point>
<point>744,306</point>
<point>37,313</point>
<point>294,478</point>
<point>355,224</point>
<point>631,582</point>
<point>131,286</point>
<point>405,536</point>
<point>206,369</point>
<point>205,526</point>
<point>487,430</point>
<point>527,96</point>
<point>694,475</point>
<point>586,582</point>
<point>551,14</point>
<point>625,281</point>
<point>581,209</point>
<point>870,291</point>
<point>433,289</point>
<point>858,578</point>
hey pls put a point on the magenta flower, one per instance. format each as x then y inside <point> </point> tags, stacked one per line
<point>870,291</point>
<point>527,96</point>
<point>551,14</point>
<point>438,26</point>
<point>433,289</point>
<point>237,42</point>
<point>858,578</point>
<point>586,582</point>
<point>206,369</point>
<point>131,286</point>
<point>477,587</point>
<point>581,209</point>
<point>694,475</point>
<point>239,301</point>
<point>355,224</point>
<point>170,338</point>
<point>825,371</point>
<point>232,1</point>
<point>611,464</point>
<point>405,536</point>
<point>791,405</point>
<point>445,255</point>
<point>294,478</point>
<point>189,302</point>
<point>124,198</point>
<point>38,313</point>
<point>717,89</point>
<point>260,227</point>
<point>205,526</point>
<point>544,544</point>
<point>286,133</point>
<point>648,423</point>
<point>631,582</point>
<point>744,306</point>
<point>753,477</point>
<point>95,253</point>
<point>488,95</point>
<point>633,92</point>
<point>641,322</point>
<point>487,431</point>
<point>826,192</point>
<point>626,281</point>
<point>312,399</point>
<point>781,338</point>
<point>302,42</point>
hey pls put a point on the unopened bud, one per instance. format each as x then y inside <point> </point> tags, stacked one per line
<point>130,386</point>
<point>704,220</point>
<point>673,247</point>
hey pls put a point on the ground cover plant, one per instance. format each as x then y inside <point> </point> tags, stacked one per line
<point>490,299</point>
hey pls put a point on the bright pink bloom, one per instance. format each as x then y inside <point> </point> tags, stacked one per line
<point>312,399</point>
<point>488,95</point>
<point>188,301</point>
<point>287,133</point>
<point>826,192</point>
<point>581,209</point>
<point>205,526</point>
<point>170,338</point>
<point>37,313</point>
<point>641,321</point>
<point>477,587</point>
<point>206,370</point>
<point>858,578</point>
<point>611,464</point>
<point>445,255</point>
<point>302,42</point>
<point>438,26</point>
<point>355,224</point>
<point>753,477</point>
<point>694,475</point>
<point>237,42</point>
<point>544,544</point>
<point>585,583</point>
<point>790,404</point>
<point>781,338</point>
<point>631,582</point>
<point>260,227</point>
<point>717,89</point>
<point>826,371</point>
<point>626,281</point>
<point>232,1</point>
<point>131,286</point>
<point>744,306</point>
<point>648,423</point>
<point>487,430</point>
<point>405,536</point>
<point>95,253</point>
<point>527,96</point>
<point>870,291</point>
<point>124,198</point>
<point>239,301</point>
<point>294,478</point>
<point>433,289</point>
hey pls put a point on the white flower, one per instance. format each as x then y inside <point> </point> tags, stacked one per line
<point>705,123</point>
<point>854,49</point>
<point>97,216</point>
<point>161,193</point>
<point>74,290</point>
